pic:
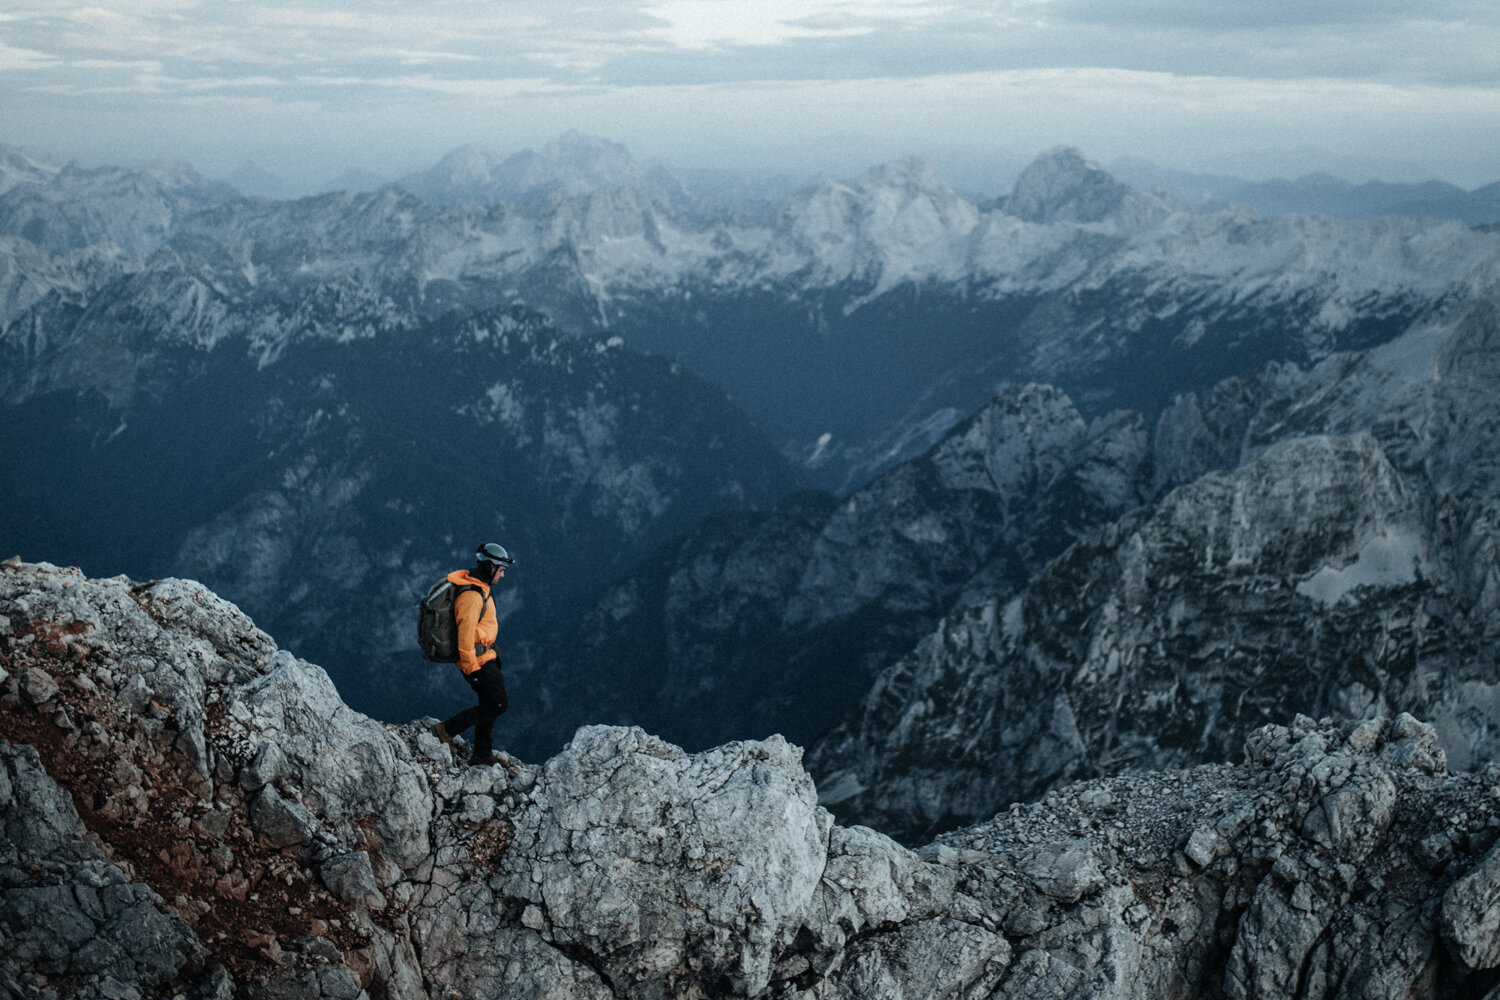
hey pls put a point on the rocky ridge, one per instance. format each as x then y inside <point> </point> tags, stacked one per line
<point>188,811</point>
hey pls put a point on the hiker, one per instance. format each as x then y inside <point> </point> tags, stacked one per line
<point>477,628</point>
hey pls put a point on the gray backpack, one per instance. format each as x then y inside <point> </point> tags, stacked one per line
<point>437,631</point>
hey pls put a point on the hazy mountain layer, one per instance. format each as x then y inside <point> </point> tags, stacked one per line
<point>73,207</point>
<point>1323,194</point>
<point>858,321</point>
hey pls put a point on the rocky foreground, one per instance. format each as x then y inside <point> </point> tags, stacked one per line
<point>187,811</point>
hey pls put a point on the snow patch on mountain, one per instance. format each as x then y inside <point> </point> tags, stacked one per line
<point>18,167</point>
<point>1392,557</point>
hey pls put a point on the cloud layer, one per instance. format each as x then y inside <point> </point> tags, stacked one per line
<point>1373,78</point>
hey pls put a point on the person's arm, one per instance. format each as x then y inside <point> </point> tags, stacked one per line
<point>467,607</point>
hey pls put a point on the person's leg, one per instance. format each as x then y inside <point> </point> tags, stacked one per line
<point>460,722</point>
<point>474,713</point>
<point>489,684</point>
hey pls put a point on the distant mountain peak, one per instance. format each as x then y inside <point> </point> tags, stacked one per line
<point>911,173</point>
<point>572,164</point>
<point>17,166</point>
<point>574,143</point>
<point>1062,185</point>
<point>172,170</point>
<point>469,160</point>
<point>252,179</point>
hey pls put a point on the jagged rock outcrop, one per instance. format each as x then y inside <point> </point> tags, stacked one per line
<point>1160,640</point>
<point>1320,867</point>
<point>264,840</point>
<point>187,811</point>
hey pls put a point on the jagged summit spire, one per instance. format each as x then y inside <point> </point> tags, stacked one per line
<point>572,164</point>
<point>908,171</point>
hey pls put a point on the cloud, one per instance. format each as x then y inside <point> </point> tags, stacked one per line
<point>705,24</point>
<point>14,59</point>
<point>908,70</point>
<point>1277,15</point>
<point>701,41</point>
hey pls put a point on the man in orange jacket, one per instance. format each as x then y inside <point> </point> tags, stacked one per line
<point>478,658</point>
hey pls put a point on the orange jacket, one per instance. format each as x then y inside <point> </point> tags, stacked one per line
<point>474,629</point>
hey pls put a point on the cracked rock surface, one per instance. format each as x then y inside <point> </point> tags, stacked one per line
<point>188,811</point>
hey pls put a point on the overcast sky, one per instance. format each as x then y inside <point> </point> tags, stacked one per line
<point>1397,89</point>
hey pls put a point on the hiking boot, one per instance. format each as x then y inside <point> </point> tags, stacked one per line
<point>441,732</point>
<point>483,759</point>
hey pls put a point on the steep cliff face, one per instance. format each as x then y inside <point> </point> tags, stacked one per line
<point>1345,568</point>
<point>188,811</point>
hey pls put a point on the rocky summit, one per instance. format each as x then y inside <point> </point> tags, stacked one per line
<point>188,811</point>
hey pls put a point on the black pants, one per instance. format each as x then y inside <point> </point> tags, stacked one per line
<point>489,685</point>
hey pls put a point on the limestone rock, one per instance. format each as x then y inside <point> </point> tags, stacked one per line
<point>65,911</point>
<point>1471,914</point>
<point>217,824</point>
<point>351,878</point>
<point>38,686</point>
<point>635,825</point>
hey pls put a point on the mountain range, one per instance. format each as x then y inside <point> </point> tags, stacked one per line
<point>788,615</point>
<point>328,482</point>
<point>1323,194</point>
<point>1120,297</point>
<point>319,405</point>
